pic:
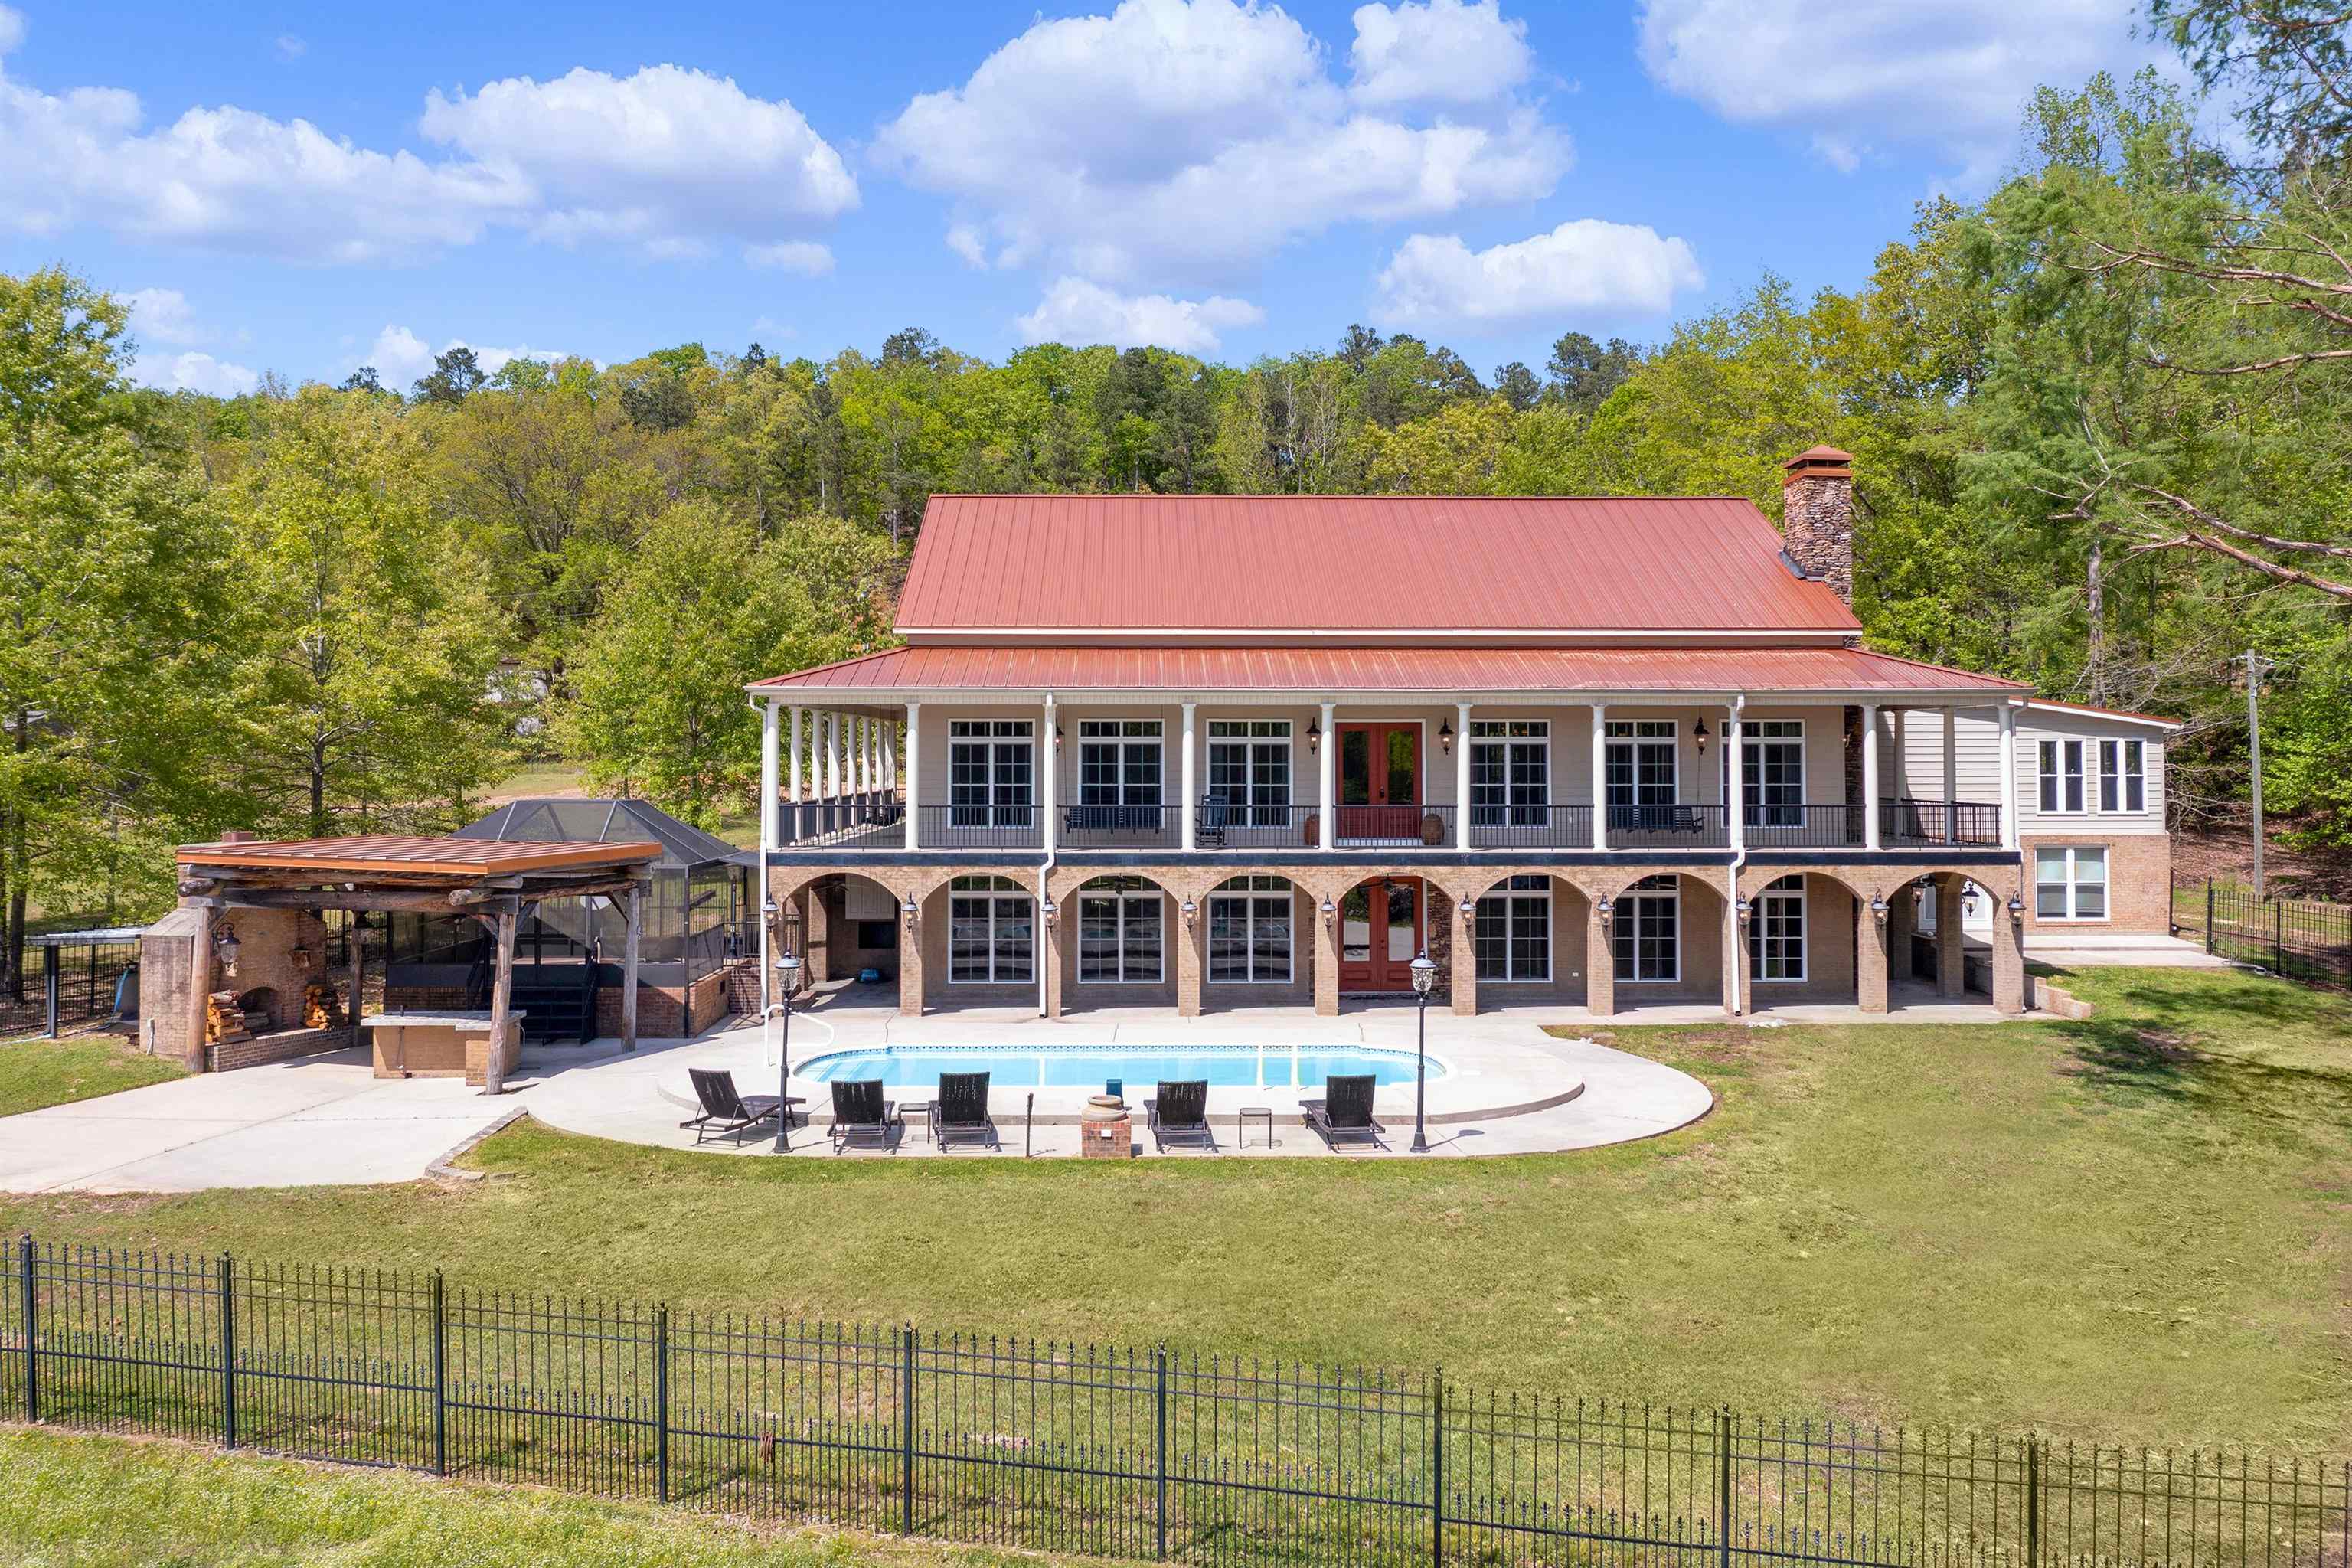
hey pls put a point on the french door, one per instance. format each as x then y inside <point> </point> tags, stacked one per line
<point>1380,933</point>
<point>1379,782</point>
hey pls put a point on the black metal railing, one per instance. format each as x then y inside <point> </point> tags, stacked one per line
<point>2310,939</point>
<point>87,977</point>
<point>1924,824</point>
<point>1673,826</point>
<point>1224,825</point>
<point>1112,1451</point>
<point>1531,828</point>
<point>1113,826</point>
<point>870,821</point>
<point>1396,827</point>
<point>1803,827</point>
<point>980,827</point>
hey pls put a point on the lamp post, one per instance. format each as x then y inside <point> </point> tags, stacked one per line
<point>1425,977</point>
<point>788,972</point>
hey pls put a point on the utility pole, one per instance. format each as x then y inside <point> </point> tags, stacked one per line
<point>2255,665</point>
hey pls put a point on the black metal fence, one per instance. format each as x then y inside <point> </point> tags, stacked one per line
<point>1117,1452</point>
<point>2307,938</point>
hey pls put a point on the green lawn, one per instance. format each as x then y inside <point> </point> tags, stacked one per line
<point>105,1502</point>
<point>38,1073</point>
<point>2138,1228</point>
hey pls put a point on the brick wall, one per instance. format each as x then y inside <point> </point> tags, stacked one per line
<point>2140,881</point>
<point>284,1046</point>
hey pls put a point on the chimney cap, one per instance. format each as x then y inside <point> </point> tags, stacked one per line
<point>1823,456</point>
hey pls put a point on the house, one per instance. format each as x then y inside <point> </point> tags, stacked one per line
<point>1211,752</point>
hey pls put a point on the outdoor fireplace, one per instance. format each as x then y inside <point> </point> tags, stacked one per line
<point>260,1006</point>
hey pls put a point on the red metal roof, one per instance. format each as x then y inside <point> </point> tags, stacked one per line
<point>1423,564</point>
<point>1338,670</point>
<point>393,853</point>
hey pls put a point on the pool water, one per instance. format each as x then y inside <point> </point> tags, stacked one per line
<point>1225,1067</point>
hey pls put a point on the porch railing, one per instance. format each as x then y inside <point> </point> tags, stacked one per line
<point>980,827</point>
<point>1838,826</point>
<point>1224,825</point>
<point>1927,823</point>
<point>873,821</point>
<point>1673,826</point>
<point>1531,828</point>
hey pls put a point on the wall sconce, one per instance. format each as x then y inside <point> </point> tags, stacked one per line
<point>1605,908</point>
<point>1189,909</point>
<point>1045,907</point>
<point>2016,907</point>
<point>1330,911</point>
<point>769,909</point>
<point>1314,737</point>
<point>1879,908</point>
<point>225,947</point>
<point>1743,909</point>
<point>910,912</point>
<point>1469,910</point>
<point>1699,737</point>
<point>1446,737</point>
<point>1058,735</point>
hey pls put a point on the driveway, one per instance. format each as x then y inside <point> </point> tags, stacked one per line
<point>320,1122</point>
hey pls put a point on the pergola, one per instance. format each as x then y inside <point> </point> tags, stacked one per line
<point>491,881</point>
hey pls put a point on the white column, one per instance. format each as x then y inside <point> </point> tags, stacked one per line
<point>1601,776</point>
<point>2008,775</point>
<point>1951,775</point>
<point>1462,775</point>
<point>1870,814</point>
<point>798,715</point>
<point>1735,757</point>
<point>1052,760</point>
<point>1324,772</point>
<point>1898,757</point>
<point>828,728</point>
<point>914,766</point>
<point>889,758</point>
<point>769,804</point>
<point>861,755</point>
<point>1188,802</point>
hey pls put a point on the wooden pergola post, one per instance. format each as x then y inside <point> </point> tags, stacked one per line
<point>353,931</point>
<point>629,969</point>
<point>494,1066</point>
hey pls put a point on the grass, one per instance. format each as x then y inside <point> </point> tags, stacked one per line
<point>38,1073</point>
<point>107,1502</point>
<point>2136,1229</point>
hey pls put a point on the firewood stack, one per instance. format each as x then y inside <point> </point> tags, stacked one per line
<point>322,1008</point>
<point>224,1019</point>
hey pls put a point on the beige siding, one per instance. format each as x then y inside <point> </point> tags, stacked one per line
<point>2035,726</point>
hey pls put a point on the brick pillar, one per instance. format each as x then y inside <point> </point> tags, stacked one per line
<point>1600,969</point>
<point>816,945</point>
<point>2008,961</point>
<point>1869,959</point>
<point>1050,955</point>
<point>910,967</point>
<point>1189,958</point>
<point>1326,958</point>
<point>1454,948</point>
<point>1951,970</point>
<point>1902,921</point>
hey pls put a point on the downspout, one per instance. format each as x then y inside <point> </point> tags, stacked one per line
<point>1735,956</point>
<point>1052,755</point>
<point>760,904</point>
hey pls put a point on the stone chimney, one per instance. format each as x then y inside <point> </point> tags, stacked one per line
<point>1817,516</point>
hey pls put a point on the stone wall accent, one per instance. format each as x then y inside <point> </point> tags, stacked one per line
<point>1817,516</point>
<point>2140,881</point>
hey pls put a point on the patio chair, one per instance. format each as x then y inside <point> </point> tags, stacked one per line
<point>1209,829</point>
<point>1181,1114</point>
<point>723,1109</point>
<point>1345,1112</point>
<point>962,1110</point>
<point>862,1118</point>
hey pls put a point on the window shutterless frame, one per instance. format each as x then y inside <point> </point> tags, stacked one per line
<point>1122,936</point>
<point>1250,768</point>
<point>1511,932</point>
<point>2070,882</point>
<point>2122,775</point>
<point>2061,773</point>
<point>1252,935</point>
<point>1776,933</point>
<point>1645,938</point>
<point>1510,771</point>
<point>1644,762</point>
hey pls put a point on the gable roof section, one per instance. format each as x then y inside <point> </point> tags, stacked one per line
<point>1504,566</point>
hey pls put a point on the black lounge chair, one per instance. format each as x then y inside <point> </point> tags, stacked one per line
<point>1181,1114</point>
<point>731,1111</point>
<point>1346,1111</point>
<point>962,1110</point>
<point>1209,829</point>
<point>862,1118</point>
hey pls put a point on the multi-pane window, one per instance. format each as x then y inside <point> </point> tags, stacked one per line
<point>992,773</point>
<point>1646,931</point>
<point>2070,882</point>
<point>1772,772</point>
<point>1510,771</point>
<point>2122,775</point>
<point>1511,930</point>
<point>991,932</point>
<point>1120,921</point>
<point>1776,931</point>
<point>1641,761</point>
<point>1249,930</point>
<point>1249,767</point>
<point>1118,763</point>
<point>2062,775</point>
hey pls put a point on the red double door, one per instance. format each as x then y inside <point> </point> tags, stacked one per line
<point>1379,782</point>
<point>1380,933</point>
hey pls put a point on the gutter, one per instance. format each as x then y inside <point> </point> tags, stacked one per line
<point>1052,756</point>
<point>1735,961</point>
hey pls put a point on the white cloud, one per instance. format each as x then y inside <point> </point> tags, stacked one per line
<point>291,48</point>
<point>1860,78</point>
<point>401,357</point>
<point>805,256</point>
<point>1181,140</point>
<point>163,316</point>
<point>665,160</point>
<point>1077,312</point>
<point>197,372</point>
<point>1584,265</point>
<point>1442,51</point>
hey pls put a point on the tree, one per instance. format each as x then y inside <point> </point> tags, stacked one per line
<point>361,379</point>
<point>1357,345</point>
<point>910,345</point>
<point>1517,387</point>
<point>1583,372</point>
<point>455,374</point>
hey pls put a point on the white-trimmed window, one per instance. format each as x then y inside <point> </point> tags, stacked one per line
<point>1772,772</point>
<point>1250,931</point>
<point>1249,767</point>
<point>1641,758</point>
<point>2122,775</point>
<point>2062,775</point>
<point>1511,930</point>
<point>1776,931</point>
<point>991,932</point>
<point>1119,932</point>
<point>992,773</point>
<point>1510,771</point>
<point>1646,930</point>
<point>2070,882</point>
<point>1119,763</point>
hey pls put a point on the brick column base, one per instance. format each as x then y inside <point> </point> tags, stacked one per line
<point>1600,969</point>
<point>2008,963</point>
<point>1189,965</point>
<point>1869,959</point>
<point>1326,962</point>
<point>1952,954</point>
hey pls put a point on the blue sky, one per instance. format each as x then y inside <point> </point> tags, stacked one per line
<point>298,189</point>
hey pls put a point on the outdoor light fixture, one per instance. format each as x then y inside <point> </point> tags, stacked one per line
<point>1606,907</point>
<point>1445,736</point>
<point>1879,908</point>
<point>1425,980</point>
<point>770,910</point>
<point>1469,909</point>
<point>1058,735</point>
<point>225,947</point>
<point>908,910</point>
<point>1045,907</point>
<point>1188,910</point>
<point>1742,906</point>
<point>1314,736</point>
<point>2016,907</point>
<point>1329,910</point>
<point>788,968</point>
<point>1698,737</point>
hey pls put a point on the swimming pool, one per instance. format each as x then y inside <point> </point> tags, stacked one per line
<point>1013,1067</point>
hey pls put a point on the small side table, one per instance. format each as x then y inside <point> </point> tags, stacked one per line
<point>1248,1113</point>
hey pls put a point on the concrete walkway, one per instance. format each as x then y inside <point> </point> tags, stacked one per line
<point>320,1122</point>
<point>2139,950</point>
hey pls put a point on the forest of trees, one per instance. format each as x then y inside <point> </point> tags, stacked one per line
<point>2099,420</point>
